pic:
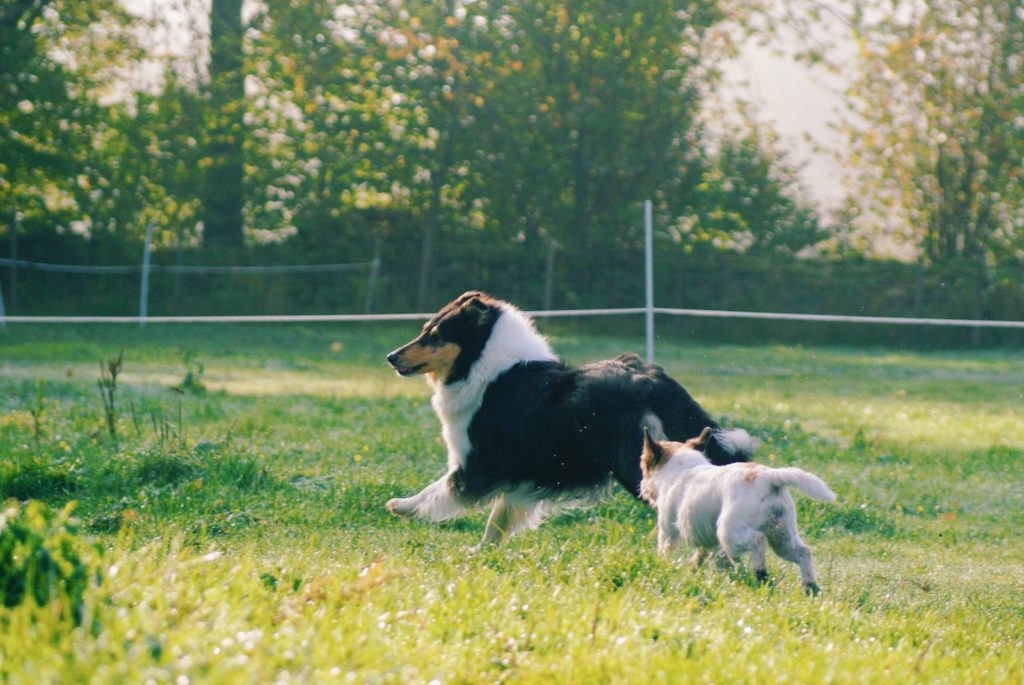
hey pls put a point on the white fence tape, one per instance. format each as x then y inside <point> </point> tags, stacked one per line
<point>186,269</point>
<point>554,313</point>
<point>840,318</point>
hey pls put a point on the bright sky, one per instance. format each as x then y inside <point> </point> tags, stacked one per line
<point>799,105</point>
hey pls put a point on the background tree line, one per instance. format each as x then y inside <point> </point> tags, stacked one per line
<point>474,141</point>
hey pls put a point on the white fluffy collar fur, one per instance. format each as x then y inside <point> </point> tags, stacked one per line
<point>513,340</point>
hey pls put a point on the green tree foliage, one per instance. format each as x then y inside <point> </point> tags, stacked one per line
<point>57,59</point>
<point>329,133</point>
<point>43,558</point>
<point>937,129</point>
<point>745,197</point>
<point>331,125</point>
<point>600,105</point>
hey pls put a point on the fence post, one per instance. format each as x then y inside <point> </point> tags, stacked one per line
<point>13,269</point>
<point>144,290</point>
<point>649,277</point>
<point>549,274</point>
<point>371,285</point>
<point>3,316</point>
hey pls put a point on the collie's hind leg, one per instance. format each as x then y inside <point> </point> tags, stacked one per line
<point>436,502</point>
<point>508,517</point>
<point>497,528</point>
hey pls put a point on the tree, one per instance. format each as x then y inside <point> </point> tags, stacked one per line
<point>596,109</point>
<point>438,56</point>
<point>49,115</point>
<point>936,129</point>
<point>741,192</point>
<point>223,194</point>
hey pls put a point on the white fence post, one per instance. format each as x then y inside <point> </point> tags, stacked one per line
<point>649,278</point>
<point>13,271</point>
<point>549,274</point>
<point>371,282</point>
<point>3,317</point>
<point>144,290</point>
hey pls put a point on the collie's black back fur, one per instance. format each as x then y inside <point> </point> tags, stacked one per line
<point>564,429</point>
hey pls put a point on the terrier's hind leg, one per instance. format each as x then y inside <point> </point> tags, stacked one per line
<point>668,532</point>
<point>758,562</point>
<point>788,545</point>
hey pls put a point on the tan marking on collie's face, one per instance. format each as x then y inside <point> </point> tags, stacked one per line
<point>427,354</point>
<point>432,352</point>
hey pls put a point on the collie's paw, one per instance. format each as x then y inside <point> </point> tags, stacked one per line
<point>399,506</point>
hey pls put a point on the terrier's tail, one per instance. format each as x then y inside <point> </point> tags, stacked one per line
<point>808,483</point>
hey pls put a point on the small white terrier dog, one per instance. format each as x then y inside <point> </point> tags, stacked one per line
<point>737,507</point>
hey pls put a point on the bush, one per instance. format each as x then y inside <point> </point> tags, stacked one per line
<point>37,477</point>
<point>43,558</point>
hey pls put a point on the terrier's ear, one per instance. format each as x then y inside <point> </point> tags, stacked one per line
<point>700,442</point>
<point>653,454</point>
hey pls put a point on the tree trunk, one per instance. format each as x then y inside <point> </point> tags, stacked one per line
<point>222,193</point>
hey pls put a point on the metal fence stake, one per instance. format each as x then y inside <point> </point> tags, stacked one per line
<point>371,283</point>
<point>649,278</point>
<point>144,290</point>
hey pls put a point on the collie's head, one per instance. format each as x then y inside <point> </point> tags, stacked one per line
<point>473,331</point>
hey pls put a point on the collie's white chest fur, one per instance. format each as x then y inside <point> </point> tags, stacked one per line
<point>513,340</point>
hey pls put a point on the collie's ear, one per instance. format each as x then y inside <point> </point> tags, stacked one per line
<point>467,296</point>
<point>653,455</point>
<point>700,442</point>
<point>476,305</point>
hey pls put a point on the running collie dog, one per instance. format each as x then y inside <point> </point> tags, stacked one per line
<point>530,433</point>
<point>737,508</point>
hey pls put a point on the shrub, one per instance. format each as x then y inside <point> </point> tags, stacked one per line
<point>43,558</point>
<point>37,477</point>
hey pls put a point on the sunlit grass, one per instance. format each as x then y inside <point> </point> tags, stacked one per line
<point>246,539</point>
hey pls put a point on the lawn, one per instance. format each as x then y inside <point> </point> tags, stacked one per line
<point>244,538</point>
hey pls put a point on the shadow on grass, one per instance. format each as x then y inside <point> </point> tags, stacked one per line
<point>39,478</point>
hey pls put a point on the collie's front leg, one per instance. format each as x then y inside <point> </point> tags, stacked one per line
<point>436,502</point>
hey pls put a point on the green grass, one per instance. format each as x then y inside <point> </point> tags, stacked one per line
<point>246,540</point>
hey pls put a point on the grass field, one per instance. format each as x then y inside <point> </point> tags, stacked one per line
<point>245,539</point>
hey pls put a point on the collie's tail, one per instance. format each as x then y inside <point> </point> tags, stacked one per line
<point>807,483</point>
<point>735,442</point>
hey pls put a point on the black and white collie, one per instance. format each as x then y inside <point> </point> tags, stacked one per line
<point>530,433</point>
